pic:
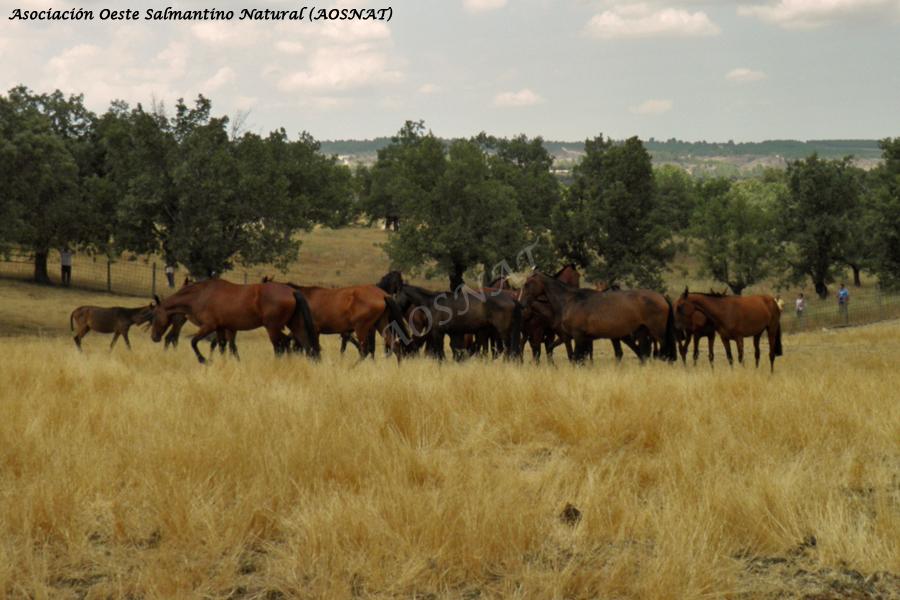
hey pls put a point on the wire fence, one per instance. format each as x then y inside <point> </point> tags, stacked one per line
<point>135,276</point>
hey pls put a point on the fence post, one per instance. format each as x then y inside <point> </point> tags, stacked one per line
<point>108,275</point>
<point>153,280</point>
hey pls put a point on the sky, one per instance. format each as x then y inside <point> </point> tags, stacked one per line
<point>745,70</point>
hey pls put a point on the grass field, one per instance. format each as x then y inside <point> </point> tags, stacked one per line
<point>142,474</point>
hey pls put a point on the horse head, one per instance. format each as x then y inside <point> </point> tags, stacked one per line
<point>533,288</point>
<point>159,320</point>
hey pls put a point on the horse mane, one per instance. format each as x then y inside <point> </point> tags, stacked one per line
<point>711,294</point>
<point>564,267</point>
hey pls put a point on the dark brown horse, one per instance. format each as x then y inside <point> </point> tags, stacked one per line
<point>434,315</point>
<point>115,320</point>
<point>693,328</point>
<point>585,315</point>
<point>737,317</point>
<point>219,305</point>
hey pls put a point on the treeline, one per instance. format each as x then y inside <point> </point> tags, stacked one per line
<point>672,149</point>
<point>194,189</point>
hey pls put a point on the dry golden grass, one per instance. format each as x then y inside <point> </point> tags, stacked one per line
<point>143,474</point>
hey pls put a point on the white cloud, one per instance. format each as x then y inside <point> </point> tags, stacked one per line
<point>652,107</point>
<point>245,102</point>
<point>428,88</point>
<point>744,75</point>
<point>223,76</point>
<point>480,6</point>
<point>340,68</point>
<point>641,20</point>
<point>290,47</point>
<point>228,34</point>
<point>811,14</point>
<point>524,97</point>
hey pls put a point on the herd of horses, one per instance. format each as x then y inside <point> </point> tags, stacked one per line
<point>497,320</point>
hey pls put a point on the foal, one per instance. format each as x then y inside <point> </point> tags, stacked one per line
<point>115,320</point>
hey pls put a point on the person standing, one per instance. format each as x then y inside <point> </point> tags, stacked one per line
<point>800,307</point>
<point>843,297</point>
<point>65,261</point>
<point>170,274</point>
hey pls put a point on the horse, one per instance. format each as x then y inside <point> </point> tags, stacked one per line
<point>585,315</point>
<point>115,320</point>
<point>217,304</point>
<point>694,327</point>
<point>390,283</point>
<point>432,315</point>
<point>737,317</point>
<point>359,309</point>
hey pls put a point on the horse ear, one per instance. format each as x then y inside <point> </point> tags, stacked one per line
<point>685,294</point>
<point>156,300</point>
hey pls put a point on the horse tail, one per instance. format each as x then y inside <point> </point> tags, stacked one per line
<point>301,310</point>
<point>396,315</point>
<point>778,350</point>
<point>515,333</point>
<point>71,320</point>
<point>669,349</point>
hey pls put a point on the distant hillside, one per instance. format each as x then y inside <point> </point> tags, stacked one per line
<point>721,158</point>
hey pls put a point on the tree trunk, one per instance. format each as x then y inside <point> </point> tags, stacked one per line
<point>456,277</point>
<point>821,288</point>
<point>856,280</point>
<point>40,267</point>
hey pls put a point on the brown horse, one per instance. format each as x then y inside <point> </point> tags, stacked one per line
<point>115,320</point>
<point>693,328</point>
<point>737,317</point>
<point>359,309</point>
<point>390,283</point>
<point>585,315</point>
<point>219,305</point>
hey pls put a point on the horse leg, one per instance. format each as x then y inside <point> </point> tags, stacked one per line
<point>617,350</point>
<point>82,331</point>
<point>756,348</point>
<point>772,337</point>
<point>695,339</point>
<point>125,337</point>
<point>115,338</point>
<point>727,343</point>
<point>345,339</point>
<point>739,342</point>
<point>195,340</point>
<point>711,342</point>
<point>276,338</point>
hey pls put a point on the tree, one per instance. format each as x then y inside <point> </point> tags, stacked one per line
<point>813,217</point>
<point>208,201</point>
<point>676,196</point>
<point>885,204</point>
<point>40,137</point>
<point>456,215</point>
<point>610,221</point>
<point>733,227</point>
<point>525,165</point>
<point>411,164</point>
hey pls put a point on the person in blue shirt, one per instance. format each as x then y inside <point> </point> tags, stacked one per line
<point>843,298</point>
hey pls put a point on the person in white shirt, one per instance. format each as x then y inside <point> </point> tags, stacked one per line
<point>65,261</point>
